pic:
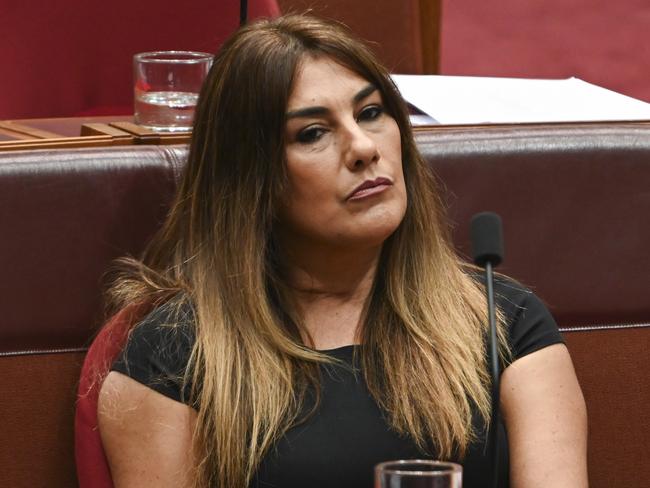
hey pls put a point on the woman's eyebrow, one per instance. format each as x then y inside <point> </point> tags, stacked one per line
<point>319,110</point>
<point>364,92</point>
<point>307,112</point>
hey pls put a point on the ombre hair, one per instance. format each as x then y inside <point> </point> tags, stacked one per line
<point>423,334</point>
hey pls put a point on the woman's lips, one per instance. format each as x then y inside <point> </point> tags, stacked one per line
<point>369,188</point>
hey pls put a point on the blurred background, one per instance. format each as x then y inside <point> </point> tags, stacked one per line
<point>75,58</point>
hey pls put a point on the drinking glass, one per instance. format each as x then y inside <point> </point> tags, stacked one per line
<point>417,473</point>
<point>167,86</point>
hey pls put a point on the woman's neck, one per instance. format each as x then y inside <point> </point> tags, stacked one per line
<point>330,287</point>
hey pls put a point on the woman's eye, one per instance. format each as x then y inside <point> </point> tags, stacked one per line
<point>371,112</point>
<point>310,134</point>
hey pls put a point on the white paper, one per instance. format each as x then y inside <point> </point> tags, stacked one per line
<point>477,100</point>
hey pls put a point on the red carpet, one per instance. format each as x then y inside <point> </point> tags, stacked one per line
<point>604,42</point>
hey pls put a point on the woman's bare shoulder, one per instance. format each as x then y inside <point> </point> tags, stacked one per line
<point>146,435</point>
<point>546,419</point>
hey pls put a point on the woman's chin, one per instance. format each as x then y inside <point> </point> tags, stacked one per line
<point>370,235</point>
<point>378,225</point>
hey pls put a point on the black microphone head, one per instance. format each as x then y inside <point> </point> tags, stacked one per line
<point>487,239</point>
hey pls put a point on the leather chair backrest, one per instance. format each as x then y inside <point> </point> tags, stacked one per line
<point>64,216</point>
<point>575,206</point>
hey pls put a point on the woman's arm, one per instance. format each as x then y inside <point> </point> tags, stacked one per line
<point>146,436</point>
<point>546,420</point>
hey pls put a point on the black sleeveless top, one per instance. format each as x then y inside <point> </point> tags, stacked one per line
<point>339,445</point>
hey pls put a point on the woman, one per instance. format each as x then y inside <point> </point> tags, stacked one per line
<point>310,317</point>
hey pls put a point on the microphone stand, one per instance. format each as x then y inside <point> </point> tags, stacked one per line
<point>493,355</point>
<point>487,248</point>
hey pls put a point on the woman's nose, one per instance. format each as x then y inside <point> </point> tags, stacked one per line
<point>362,148</point>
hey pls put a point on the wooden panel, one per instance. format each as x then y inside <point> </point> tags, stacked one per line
<point>71,126</point>
<point>57,143</point>
<point>143,135</point>
<point>76,132</point>
<point>28,130</point>
<point>9,135</point>
<point>99,129</point>
<point>430,19</point>
<point>404,33</point>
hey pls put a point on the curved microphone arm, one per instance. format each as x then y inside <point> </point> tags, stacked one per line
<point>487,249</point>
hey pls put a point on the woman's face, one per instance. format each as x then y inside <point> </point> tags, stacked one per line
<point>344,160</point>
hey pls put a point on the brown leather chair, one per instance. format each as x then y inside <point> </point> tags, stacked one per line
<point>404,34</point>
<point>64,215</point>
<point>575,203</point>
<point>574,200</point>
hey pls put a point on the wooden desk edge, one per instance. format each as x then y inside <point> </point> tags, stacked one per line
<point>60,143</point>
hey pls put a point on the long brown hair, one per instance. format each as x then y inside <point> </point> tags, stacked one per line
<point>423,355</point>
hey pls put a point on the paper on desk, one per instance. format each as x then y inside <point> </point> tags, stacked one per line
<point>476,100</point>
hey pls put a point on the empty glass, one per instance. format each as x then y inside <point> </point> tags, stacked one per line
<point>416,473</point>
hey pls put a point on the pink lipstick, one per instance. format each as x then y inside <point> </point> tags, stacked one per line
<point>370,187</point>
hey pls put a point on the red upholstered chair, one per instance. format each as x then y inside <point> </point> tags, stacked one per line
<point>92,466</point>
<point>75,57</point>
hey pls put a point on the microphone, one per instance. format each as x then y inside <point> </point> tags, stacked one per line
<point>487,251</point>
<point>243,12</point>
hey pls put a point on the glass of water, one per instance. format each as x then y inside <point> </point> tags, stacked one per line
<point>416,473</point>
<point>167,86</point>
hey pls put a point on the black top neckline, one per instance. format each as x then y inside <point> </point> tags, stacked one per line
<point>349,347</point>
